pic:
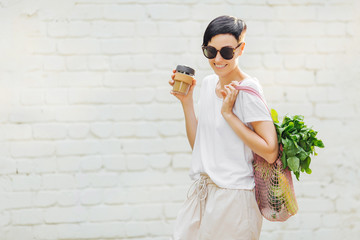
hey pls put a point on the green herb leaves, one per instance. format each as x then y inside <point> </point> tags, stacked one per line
<point>293,163</point>
<point>298,142</point>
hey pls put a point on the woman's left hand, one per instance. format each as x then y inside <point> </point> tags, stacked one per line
<point>229,97</point>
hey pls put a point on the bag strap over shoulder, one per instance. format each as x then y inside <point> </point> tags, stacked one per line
<point>252,91</point>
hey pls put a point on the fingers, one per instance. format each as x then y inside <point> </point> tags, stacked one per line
<point>171,82</point>
<point>229,97</point>
<point>232,89</point>
<point>235,83</point>
<point>231,93</point>
<point>173,75</point>
<point>228,91</point>
<point>192,85</point>
<point>194,82</point>
<point>223,93</point>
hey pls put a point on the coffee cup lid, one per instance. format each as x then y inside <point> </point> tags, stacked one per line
<point>185,69</point>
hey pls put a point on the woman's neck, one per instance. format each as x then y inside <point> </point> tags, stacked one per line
<point>236,75</point>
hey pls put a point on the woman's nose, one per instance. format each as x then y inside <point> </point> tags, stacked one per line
<point>218,57</point>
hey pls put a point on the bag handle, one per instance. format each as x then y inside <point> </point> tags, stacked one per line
<point>252,91</point>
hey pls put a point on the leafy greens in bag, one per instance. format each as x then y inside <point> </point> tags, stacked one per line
<point>298,142</point>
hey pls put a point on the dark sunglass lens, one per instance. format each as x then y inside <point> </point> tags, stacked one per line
<point>206,52</point>
<point>209,52</point>
<point>227,53</point>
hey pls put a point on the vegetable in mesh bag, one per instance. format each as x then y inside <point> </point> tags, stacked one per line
<point>298,142</point>
<point>287,194</point>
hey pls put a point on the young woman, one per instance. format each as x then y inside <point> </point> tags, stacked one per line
<point>230,126</point>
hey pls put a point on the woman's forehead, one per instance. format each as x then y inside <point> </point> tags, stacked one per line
<point>223,40</point>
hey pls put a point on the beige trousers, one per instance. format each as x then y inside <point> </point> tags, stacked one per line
<point>215,213</point>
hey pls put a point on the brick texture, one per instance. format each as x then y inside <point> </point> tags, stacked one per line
<point>93,146</point>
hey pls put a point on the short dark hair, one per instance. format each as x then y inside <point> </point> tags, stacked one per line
<point>225,25</point>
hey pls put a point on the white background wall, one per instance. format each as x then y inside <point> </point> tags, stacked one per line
<point>93,146</point>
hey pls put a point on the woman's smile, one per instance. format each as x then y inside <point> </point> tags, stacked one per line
<point>220,66</point>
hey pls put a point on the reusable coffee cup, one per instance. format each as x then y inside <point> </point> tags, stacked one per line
<point>183,79</point>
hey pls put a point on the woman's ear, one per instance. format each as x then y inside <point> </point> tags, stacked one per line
<point>242,46</point>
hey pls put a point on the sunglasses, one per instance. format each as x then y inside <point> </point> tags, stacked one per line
<point>225,52</point>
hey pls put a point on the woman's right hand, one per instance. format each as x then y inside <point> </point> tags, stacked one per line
<point>183,98</point>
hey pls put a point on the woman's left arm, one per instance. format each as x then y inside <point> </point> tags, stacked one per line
<point>263,140</point>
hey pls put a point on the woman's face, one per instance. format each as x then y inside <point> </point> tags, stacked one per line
<point>221,66</point>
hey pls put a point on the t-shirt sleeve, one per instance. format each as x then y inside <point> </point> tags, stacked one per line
<point>253,108</point>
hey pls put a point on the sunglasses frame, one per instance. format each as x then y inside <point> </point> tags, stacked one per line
<point>203,48</point>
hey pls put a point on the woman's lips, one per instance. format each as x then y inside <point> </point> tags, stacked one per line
<point>219,66</point>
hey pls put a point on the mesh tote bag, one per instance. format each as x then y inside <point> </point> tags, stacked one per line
<point>274,188</point>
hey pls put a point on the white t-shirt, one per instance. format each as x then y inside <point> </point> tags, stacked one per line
<point>218,151</point>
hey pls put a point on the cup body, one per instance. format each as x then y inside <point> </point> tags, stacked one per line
<point>182,83</point>
<point>183,79</point>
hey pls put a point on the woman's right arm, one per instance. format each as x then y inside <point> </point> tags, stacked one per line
<point>187,103</point>
<point>190,122</point>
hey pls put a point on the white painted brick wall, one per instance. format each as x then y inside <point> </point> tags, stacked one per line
<point>93,146</point>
